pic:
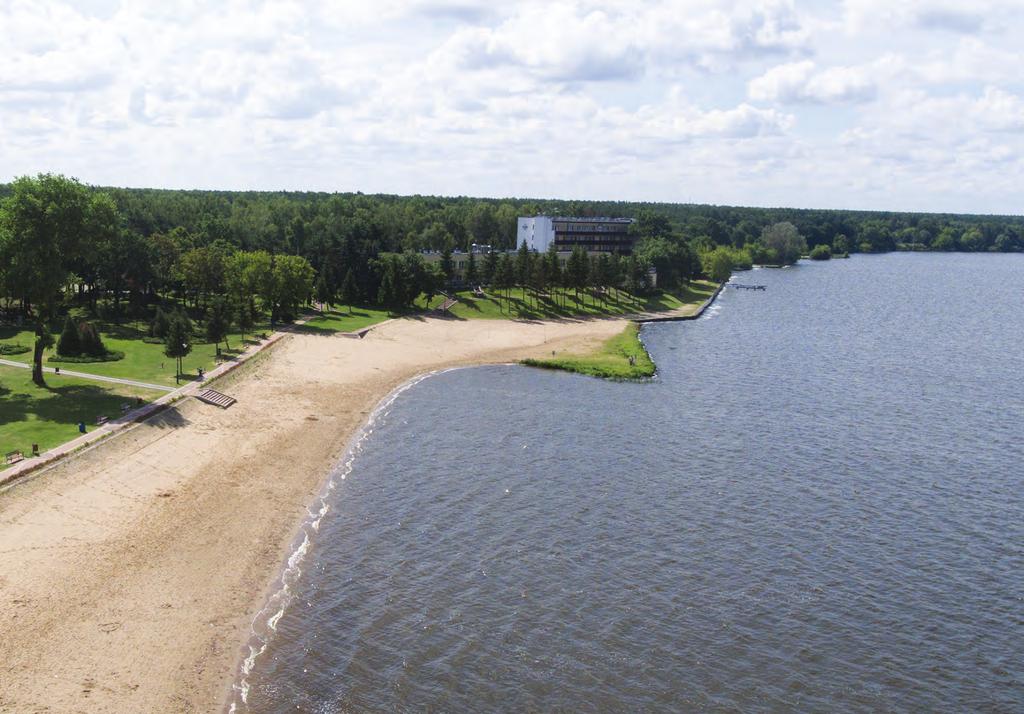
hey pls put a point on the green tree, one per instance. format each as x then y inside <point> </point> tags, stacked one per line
<point>159,324</point>
<point>504,276</point>
<point>554,267</point>
<point>674,260</point>
<point>447,268</point>
<point>349,290</point>
<point>46,223</point>
<point>522,267</point>
<point>290,285</point>
<point>490,266</point>
<point>876,236</point>
<point>218,322</point>
<point>432,281</point>
<point>244,317</point>
<point>821,252</point>
<point>577,270</point>
<point>948,239</point>
<point>248,274</point>
<point>323,291</point>
<point>785,240</point>
<point>178,343</point>
<point>717,264</point>
<point>973,240</point>
<point>471,271</point>
<point>652,224</point>
<point>387,293</point>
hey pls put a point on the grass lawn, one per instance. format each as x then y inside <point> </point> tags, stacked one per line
<point>610,362</point>
<point>333,321</point>
<point>49,416</point>
<point>564,303</point>
<point>143,362</point>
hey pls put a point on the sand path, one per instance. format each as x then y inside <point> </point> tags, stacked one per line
<point>129,574</point>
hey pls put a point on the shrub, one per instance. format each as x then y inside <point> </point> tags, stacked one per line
<point>14,349</point>
<point>69,344</point>
<point>112,356</point>
<point>159,324</point>
<point>821,252</point>
<point>90,341</point>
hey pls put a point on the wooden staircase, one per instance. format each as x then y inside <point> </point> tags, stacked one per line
<point>448,302</point>
<point>214,397</point>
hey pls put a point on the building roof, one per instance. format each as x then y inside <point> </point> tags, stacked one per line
<point>592,219</point>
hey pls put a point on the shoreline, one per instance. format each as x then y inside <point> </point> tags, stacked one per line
<point>276,597</point>
<point>137,568</point>
<point>624,357</point>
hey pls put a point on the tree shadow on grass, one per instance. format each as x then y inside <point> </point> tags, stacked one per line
<point>67,404</point>
<point>9,331</point>
<point>124,331</point>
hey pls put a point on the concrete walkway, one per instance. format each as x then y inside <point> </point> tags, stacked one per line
<point>95,377</point>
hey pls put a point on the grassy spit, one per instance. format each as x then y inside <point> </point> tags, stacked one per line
<point>612,361</point>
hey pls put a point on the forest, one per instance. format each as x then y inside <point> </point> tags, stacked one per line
<point>226,252</point>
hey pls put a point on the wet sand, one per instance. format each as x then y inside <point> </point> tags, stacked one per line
<point>130,573</point>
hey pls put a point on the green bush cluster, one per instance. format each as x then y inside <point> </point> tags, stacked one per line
<point>111,356</point>
<point>821,252</point>
<point>13,349</point>
<point>81,340</point>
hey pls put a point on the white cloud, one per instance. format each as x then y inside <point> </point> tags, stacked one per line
<point>581,41</point>
<point>742,101</point>
<point>955,16</point>
<point>803,82</point>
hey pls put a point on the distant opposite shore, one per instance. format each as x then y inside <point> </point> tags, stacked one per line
<point>131,571</point>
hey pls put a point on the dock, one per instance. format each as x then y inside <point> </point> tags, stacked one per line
<point>740,286</point>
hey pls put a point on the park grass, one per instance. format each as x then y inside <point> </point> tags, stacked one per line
<point>335,321</point>
<point>560,303</point>
<point>143,361</point>
<point>49,416</point>
<point>611,361</point>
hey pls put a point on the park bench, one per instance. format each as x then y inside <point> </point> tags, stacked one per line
<point>13,457</point>
<point>101,420</point>
<point>479,292</point>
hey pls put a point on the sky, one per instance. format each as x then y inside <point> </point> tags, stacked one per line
<point>871,104</point>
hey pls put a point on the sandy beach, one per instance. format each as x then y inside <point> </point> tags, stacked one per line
<point>130,573</point>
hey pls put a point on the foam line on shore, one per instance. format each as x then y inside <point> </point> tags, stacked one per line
<point>264,624</point>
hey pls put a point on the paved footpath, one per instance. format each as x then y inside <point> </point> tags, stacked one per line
<point>96,377</point>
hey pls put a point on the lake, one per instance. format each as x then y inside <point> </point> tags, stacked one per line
<point>816,505</point>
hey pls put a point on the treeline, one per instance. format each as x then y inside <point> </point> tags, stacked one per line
<point>308,224</point>
<point>62,242</point>
<point>60,238</point>
<point>176,240</point>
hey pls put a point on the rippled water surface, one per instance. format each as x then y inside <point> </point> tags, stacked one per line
<point>817,505</point>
